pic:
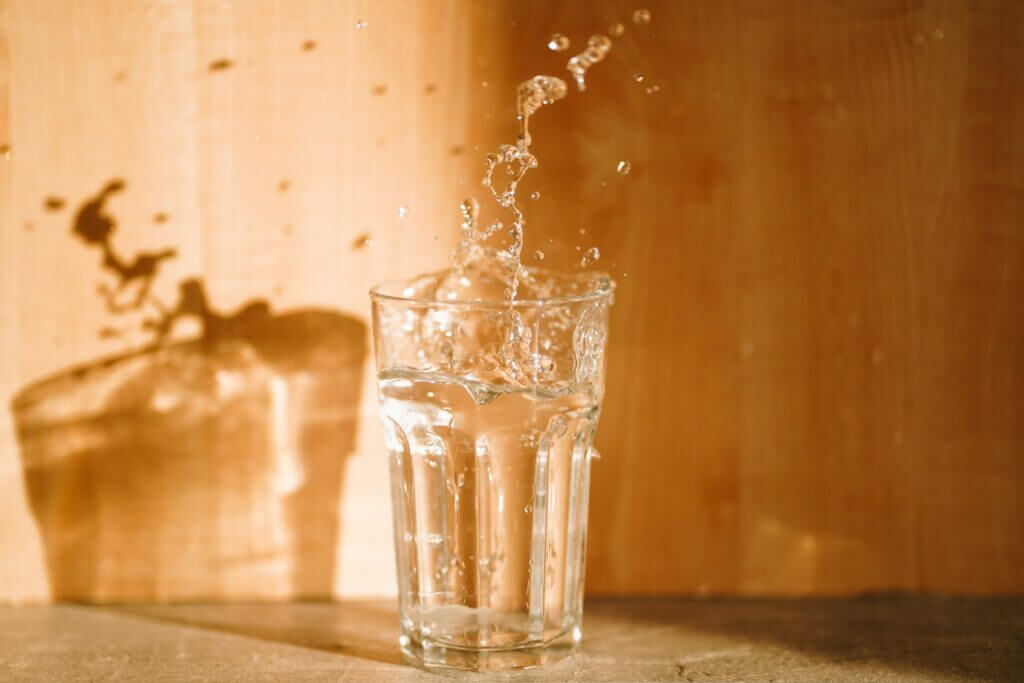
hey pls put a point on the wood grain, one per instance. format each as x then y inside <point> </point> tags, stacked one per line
<point>815,380</point>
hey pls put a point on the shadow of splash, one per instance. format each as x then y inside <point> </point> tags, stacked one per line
<point>205,468</point>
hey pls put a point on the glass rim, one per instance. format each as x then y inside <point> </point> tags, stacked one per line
<point>604,291</point>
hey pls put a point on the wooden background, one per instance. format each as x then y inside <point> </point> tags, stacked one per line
<point>816,371</point>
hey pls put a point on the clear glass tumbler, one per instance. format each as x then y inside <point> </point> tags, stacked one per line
<point>490,467</point>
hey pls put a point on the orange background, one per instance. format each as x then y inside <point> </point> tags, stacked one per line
<point>816,370</point>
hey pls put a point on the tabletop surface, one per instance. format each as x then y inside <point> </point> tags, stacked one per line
<point>868,638</point>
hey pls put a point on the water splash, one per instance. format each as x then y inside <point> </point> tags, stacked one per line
<point>533,94</point>
<point>589,257</point>
<point>597,48</point>
<point>470,260</point>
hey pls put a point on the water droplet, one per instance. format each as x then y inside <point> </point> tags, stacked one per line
<point>639,78</point>
<point>362,241</point>
<point>527,509</point>
<point>597,48</point>
<point>651,89</point>
<point>435,539</point>
<point>484,84</point>
<point>539,255</point>
<point>938,34</point>
<point>616,29</point>
<point>583,231</point>
<point>558,42</point>
<point>5,152</point>
<point>360,23</point>
<point>592,255</point>
<point>624,167</point>
<point>535,195</point>
<point>469,207</point>
<point>402,211</point>
<point>642,16</point>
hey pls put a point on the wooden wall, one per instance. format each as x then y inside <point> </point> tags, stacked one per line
<point>816,374</point>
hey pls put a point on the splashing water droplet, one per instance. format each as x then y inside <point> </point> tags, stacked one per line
<point>539,255</point>
<point>535,195</point>
<point>597,48</point>
<point>589,257</point>
<point>639,78</point>
<point>469,207</point>
<point>360,23</point>
<point>583,231</point>
<point>531,95</point>
<point>642,16</point>
<point>616,29</point>
<point>558,42</point>
<point>402,211</point>
<point>651,89</point>
<point>624,167</point>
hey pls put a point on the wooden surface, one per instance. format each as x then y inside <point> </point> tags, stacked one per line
<point>876,639</point>
<point>815,380</point>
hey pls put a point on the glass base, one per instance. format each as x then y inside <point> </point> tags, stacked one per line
<point>430,654</point>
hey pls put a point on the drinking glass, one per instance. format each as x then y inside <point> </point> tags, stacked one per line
<point>489,411</point>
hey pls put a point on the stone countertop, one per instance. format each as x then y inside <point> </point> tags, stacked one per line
<point>871,638</point>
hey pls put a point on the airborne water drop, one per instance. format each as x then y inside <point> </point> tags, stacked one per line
<point>624,167</point>
<point>558,42</point>
<point>642,16</point>
<point>589,257</point>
